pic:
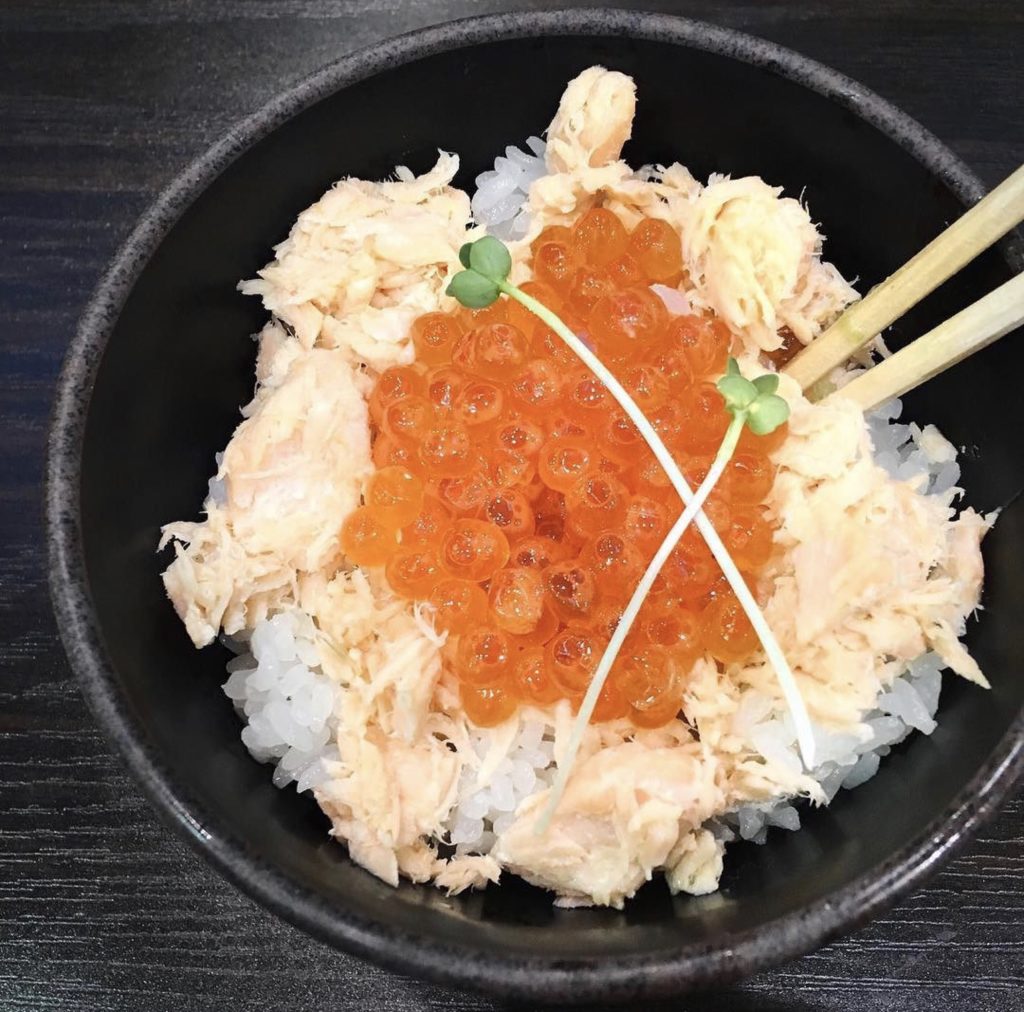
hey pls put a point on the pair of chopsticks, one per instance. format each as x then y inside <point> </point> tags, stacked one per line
<point>950,342</point>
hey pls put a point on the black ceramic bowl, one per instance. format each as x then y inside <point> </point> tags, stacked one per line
<point>162,360</point>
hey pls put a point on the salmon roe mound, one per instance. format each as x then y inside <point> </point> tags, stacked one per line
<point>515,498</point>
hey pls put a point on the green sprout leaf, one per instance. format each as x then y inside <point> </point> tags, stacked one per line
<point>768,383</point>
<point>766,414</point>
<point>739,393</point>
<point>490,257</point>
<point>753,401</point>
<point>473,290</point>
<point>487,262</point>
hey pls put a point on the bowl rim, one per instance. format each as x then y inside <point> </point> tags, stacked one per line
<point>525,976</point>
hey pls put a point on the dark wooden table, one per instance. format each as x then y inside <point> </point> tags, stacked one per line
<point>100,104</point>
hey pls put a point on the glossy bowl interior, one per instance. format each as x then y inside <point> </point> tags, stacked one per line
<point>163,360</point>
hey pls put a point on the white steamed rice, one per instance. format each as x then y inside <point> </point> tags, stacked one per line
<point>288,705</point>
<point>501,193</point>
<point>485,810</point>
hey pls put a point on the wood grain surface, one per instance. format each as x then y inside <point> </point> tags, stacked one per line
<point>100,906</point>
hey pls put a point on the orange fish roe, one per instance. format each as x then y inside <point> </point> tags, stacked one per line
<point>516,498</point>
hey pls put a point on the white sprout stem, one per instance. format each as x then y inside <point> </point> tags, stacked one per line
<point>632,610</point>
<point>787,682</point>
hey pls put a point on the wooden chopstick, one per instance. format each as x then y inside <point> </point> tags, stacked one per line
<point>989,220</point>
<point>950,342</point>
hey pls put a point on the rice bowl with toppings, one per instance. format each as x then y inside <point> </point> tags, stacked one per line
<point>353,687</point>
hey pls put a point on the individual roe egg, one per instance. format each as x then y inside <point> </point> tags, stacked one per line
<point>473,550</point>
<point>596,502</point>
<point>520,435</point>
<point>642,673</point>
<point>669,421</point>
<point>660,709</point>
<point>407,420</point>
<point>537,552</point>
<point>658,250</point>
<point>621,440</point>
<point>433,337</point>
<point>413,572</point>
<point>563,460</point>
<point>487,705</point>
<point>727,633</point>
<point>509,469</point>
<point>444,383</point>
<point>498,350</point>
<point>446,450</point>
<point>571,590</point>
<point>675,629</point>
<point>671,362</point>
<point>691,571</point>
<point>748,537</point>
<point>458,605</point>
<point>585,397</point>
<point>750,477</point>
<point>617,564</point>
<point>704,419</point>
<point>531,680</point>
<point>551,233</point>
<point>627,322</point>
<point>366,539</point>
<point>537,387</point>
<point>516,600</point>
<point>426,527</point>
<point>546,627</point>
<point>571,657</point>
<point>646,522</point>
<point>648,387</point>
<point>483,655</point>
<point>624,272</point>
<point>387,452</point>
<point>395,495</point>
<point>598,237</point>
<point>554,259</point>
<point>393,385</point>
<point>466,494</point>
<point>704,342</point>
<point>510,511</point>
<point>479,405</point>
<point>588,286</point>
